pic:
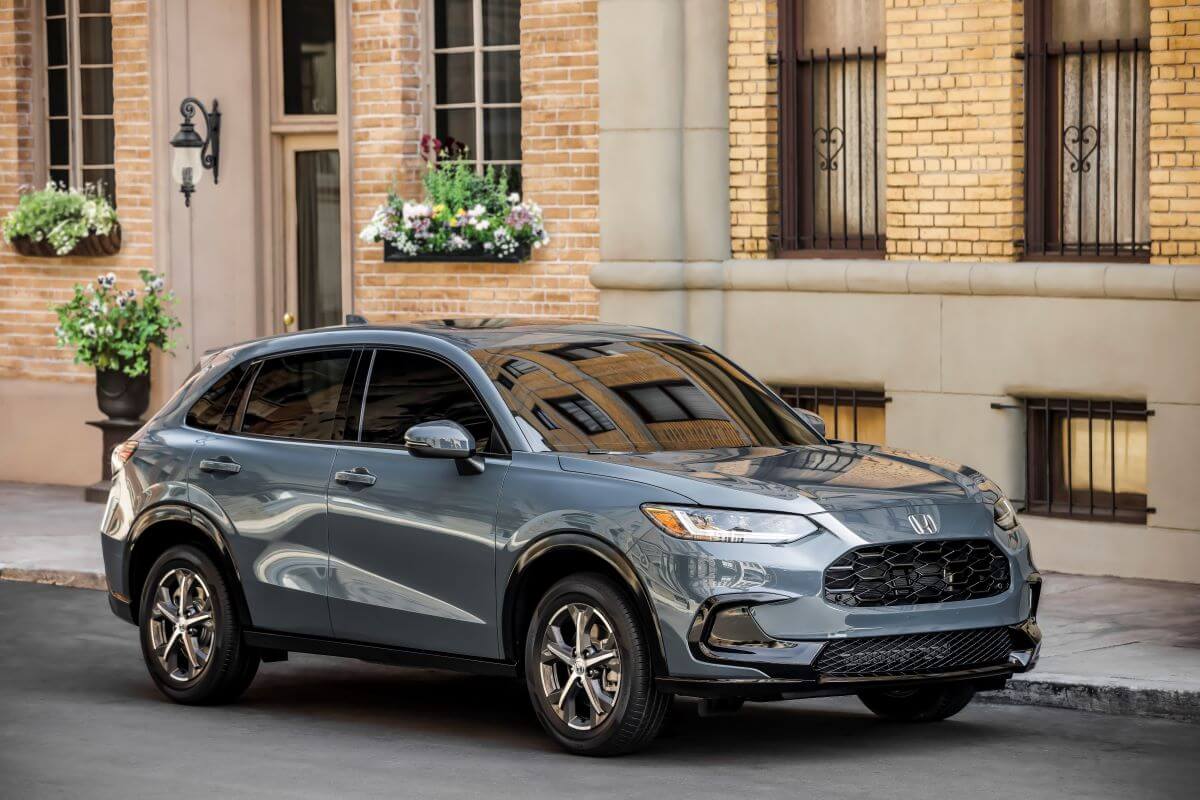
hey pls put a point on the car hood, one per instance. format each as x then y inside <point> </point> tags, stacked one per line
<point>831,477</point>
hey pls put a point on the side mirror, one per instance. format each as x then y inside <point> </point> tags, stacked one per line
<point>814,421</point>
<point>444,438</point>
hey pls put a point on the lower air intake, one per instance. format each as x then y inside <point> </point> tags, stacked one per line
<point>914,654</point>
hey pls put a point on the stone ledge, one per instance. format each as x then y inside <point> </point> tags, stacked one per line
<point>1013,279</point>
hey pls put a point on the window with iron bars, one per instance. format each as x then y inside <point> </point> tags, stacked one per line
<point>832,128</point>
<point>855,415</point>
<point>1086,458</point>
<point>1087,106</point>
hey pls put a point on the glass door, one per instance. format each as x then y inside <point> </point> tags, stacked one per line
<point>313,246</point>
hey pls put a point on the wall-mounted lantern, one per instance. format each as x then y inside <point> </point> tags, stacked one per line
<point>193,154</point>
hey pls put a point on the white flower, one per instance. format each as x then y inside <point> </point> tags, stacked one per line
<point>514,198</point>
<point>94,306</point>
<point>88,329</point>
<point>483,225</point>
<point>369,233</point>
<point>108,330</point>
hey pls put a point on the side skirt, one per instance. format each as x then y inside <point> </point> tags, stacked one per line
<point>379,654</point>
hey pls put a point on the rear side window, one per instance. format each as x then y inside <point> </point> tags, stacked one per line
<point>208,412</point>
<point>408,388</point>
<point>296,396</point>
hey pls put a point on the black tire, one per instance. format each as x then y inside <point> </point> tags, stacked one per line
<point>230,665</point>
<point>924,704</point>
<point>638,708</point>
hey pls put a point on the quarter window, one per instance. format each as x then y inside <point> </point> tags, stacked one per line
<point>80,134</point>
<point>211,409</point>
<point>856,415</point>
<point>1086,458</point>
<point>477,81</point>
<point>408,388</point>
<point>296,396</point>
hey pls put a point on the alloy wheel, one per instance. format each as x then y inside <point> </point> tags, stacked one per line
<point>580,666</point>
<point>182,626</point>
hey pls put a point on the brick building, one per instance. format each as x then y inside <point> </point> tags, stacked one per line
<point>965,227</point>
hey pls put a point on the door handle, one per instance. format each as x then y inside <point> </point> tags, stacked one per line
<point>359,475</point>
<point>220,465</point>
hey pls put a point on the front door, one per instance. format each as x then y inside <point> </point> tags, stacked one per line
<point>412,553</point>
<point>313,231</point>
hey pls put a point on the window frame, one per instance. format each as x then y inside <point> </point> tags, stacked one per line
<point>282,122</point>
<point>246,388</point>
<point>478,48</point>
<point>42,163</point>
<point>499,445</point>
<point>836,396</point>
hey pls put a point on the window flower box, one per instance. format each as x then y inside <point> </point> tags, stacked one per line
<point>475,254</point>
<point>94,245</point>
<point>57,223</point>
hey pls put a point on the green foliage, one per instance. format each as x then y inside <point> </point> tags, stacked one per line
<point>456,185</point>
<point>112,329</point>
<point>59,216</point>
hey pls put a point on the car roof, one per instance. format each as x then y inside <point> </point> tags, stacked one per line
<point>482,333</point>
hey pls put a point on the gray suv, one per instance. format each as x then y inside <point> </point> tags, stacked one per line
<point>617,515</point>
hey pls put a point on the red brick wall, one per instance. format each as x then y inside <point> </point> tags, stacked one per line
<point>29,285</point>
<point>560,139</point>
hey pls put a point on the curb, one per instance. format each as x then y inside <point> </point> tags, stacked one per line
<point>1128,698</point>
<point>73,578</point>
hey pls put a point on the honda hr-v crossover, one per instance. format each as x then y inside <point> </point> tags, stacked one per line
<point>614,515</point>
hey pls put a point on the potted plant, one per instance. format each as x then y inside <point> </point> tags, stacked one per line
<point>113,330</point>
<point>54,222</point>
<point>465,215</point>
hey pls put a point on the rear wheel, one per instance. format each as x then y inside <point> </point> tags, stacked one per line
<point>190,633</point>
<point>588,668</point>
<point>923,704</point>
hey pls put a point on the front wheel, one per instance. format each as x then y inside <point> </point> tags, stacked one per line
<point>924,704</point>
<point>588,668</point>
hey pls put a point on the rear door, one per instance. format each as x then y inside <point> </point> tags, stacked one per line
<point>268,475</point>
<point>413,549</point>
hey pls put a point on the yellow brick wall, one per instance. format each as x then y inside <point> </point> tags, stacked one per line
<point>1175,131</point>
<point>560,141</point>
<point>955,117</point>
<point>753,127</point>
<point>29,285</point>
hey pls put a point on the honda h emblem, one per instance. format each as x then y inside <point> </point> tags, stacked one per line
<point>923,524</point>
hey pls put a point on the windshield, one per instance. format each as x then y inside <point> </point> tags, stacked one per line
<point>637,396</point>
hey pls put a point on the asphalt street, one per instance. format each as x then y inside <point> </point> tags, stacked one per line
<point>79,718</point>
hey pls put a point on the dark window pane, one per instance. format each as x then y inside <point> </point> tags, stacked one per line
<point>106,179</point>
<point>513,173</point>
<point>453,23</point>
<point>502,134</point>
<point>455,77</point>
<point>655,405</point>
<point>502,77</point>
<point>60,142</point>
<point>61,178</point>
<point>55,7</point>
<point>94,6</point>
<point>56,42</point>
<point>697,404</point>
<point>97,141</point>
<point>407,388</point>
<point>95,40</point>
<point>319,238</point>
<point>309,57</point>
<point>501,22</point>
<point>96,90</point>
<point>296,396</point>
<point>457,124</point>
<point>58,99</point>
<point>208,411</point>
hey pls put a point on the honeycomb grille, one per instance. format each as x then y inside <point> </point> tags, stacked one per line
<point>911,573</point>
<point>915,654</point>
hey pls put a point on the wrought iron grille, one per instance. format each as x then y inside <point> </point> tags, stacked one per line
<point>914,573</point>
<point>915,653</point>
<point>838,407</point>
<point>832,150</point>
<point>1079,451</point>
<point>1088,152</point>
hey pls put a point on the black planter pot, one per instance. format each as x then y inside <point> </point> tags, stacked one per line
<point>120,396</point>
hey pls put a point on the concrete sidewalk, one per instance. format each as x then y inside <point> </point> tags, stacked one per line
<point>1111,645</point>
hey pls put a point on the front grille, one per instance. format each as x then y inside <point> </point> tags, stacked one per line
<point>911,573</point>
<point>915,653</point>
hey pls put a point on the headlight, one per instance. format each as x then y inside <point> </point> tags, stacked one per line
<point>1006,515</point>
<point>717,525</point>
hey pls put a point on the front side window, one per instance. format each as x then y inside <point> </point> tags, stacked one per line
<point>477,81</point>
<point>638,396</point>
<point>405,389</point>
<point>296,396</point>
<point>80,134</point>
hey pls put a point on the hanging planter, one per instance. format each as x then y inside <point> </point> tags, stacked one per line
<point>57,223</point>
<point>94,245</point>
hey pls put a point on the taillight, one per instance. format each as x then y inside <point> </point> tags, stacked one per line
<point>121,453</point>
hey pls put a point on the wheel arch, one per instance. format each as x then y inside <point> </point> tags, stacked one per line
<point>544,561</point>
<point>165,526</point>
